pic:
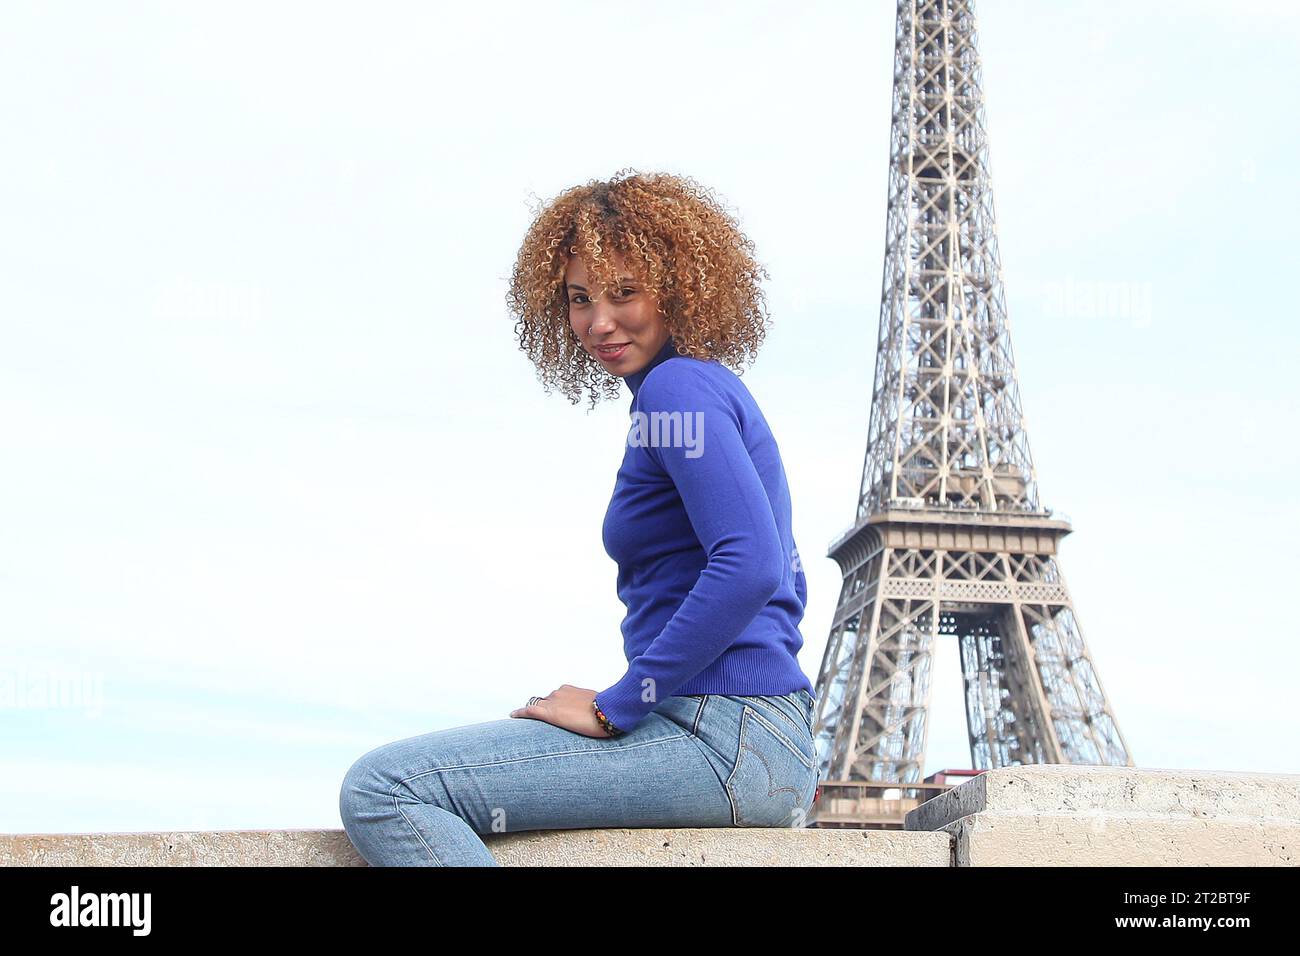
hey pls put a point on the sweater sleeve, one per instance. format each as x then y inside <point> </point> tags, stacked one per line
<point>728,508</point>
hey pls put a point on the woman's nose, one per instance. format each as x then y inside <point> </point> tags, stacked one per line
<point>602,316</point>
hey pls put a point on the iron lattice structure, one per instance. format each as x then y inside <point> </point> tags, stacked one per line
<point>949,539</point>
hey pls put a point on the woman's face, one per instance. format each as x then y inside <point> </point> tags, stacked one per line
<point>626,318</point>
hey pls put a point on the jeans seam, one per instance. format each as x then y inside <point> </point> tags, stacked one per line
<point>735,766</point>
<point>558,753</point>
<point>803,723</point>
<point>804,700</point>
<point>803,706</point>
<point>414,829</point>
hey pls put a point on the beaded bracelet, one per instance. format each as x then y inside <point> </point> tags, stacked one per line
<point>604,721</point>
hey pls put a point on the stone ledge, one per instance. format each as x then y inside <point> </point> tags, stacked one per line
<point>727,846</point>
<point>1155,794</point>
<point>723,846</point>
<point>1006,839</point>
<point>1071,815</point>
<point>1046,814</point>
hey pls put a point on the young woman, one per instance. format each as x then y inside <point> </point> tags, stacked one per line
<point>642,280</point>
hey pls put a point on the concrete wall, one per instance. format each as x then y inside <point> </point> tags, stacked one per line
<point>1055,815</point>
<point>1066,815</point>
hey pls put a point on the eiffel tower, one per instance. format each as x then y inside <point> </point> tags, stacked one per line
<point>949,539</point>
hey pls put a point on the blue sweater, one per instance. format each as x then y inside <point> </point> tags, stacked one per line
<point>699,526</point>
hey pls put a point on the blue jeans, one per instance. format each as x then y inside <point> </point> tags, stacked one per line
<point>696,760</point>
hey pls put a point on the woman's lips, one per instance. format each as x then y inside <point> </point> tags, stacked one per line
<point>612,355</point>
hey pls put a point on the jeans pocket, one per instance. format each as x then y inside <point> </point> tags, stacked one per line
<point>774,778</point>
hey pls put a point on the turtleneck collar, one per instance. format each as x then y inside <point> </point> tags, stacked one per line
<point>636,378</point>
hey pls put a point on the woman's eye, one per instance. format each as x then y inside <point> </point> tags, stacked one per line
<point>580,298</point>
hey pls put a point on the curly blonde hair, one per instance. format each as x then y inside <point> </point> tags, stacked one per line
<point>675,238</point>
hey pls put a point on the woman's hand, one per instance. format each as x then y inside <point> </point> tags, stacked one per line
<point>568,707</point>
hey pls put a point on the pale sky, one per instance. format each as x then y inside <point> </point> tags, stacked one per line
<point>277,483</point>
